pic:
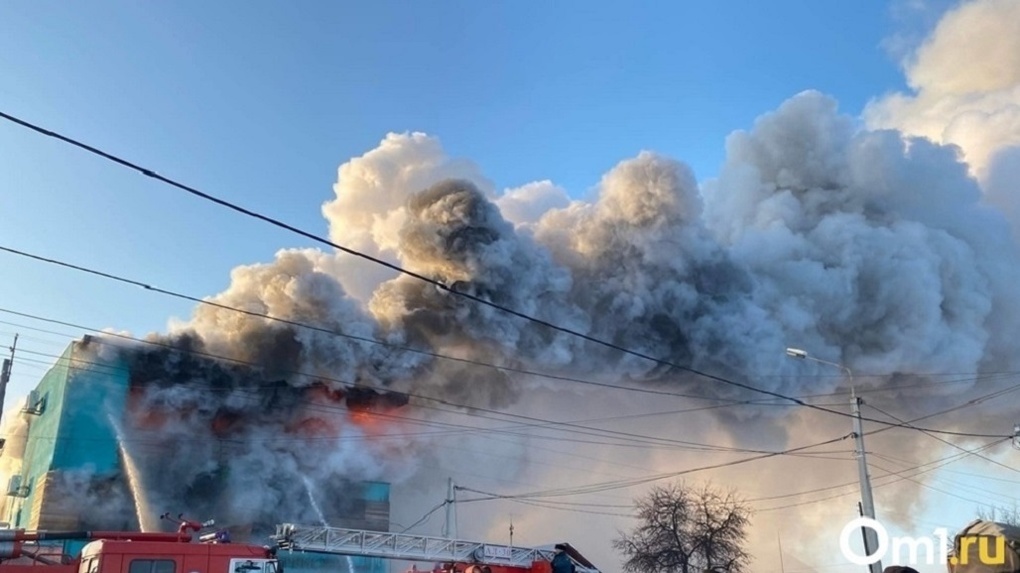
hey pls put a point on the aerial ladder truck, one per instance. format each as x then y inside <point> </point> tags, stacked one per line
<point>135,552</point>
<point>446,555</point>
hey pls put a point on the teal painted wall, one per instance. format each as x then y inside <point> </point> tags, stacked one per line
<point>83,436</point>
<point>43,433</point>
<point>73,438</point>
<point>376,491</point>
<point>98,390</point>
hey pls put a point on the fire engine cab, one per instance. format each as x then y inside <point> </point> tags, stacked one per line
<point>135,552</point>
<point>120,556</point>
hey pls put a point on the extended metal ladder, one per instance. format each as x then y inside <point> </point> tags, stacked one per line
<point>341,541</point>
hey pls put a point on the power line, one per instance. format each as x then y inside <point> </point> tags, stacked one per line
<point>566,426</point>
<point>114,368</point>
<point>941,479</point>
<point>960,377</point>
<point>928,486</point>
<point>796,400</point>
<point>237,441</point>
<point>936,464</point>
<point>975,452</point>
<point>426,517</point>
<point>436,283</point>
<point>620,484</point>
<point>944,441</point>
<point>342,334</point>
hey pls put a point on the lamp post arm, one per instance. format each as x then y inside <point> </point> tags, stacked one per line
<point>849,374</point>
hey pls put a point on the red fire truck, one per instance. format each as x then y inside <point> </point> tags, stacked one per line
<point>135,552</point>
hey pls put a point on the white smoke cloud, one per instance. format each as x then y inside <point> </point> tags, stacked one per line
<point>525,205</point>
<point>965,79</point>
<point>371,190</point>
<point>299,286</point>
<point>872,248</point>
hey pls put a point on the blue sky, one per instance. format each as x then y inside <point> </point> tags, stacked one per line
<point>260,102</point>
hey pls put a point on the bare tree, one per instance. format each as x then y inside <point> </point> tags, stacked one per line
<point>1001,514</point>
<point>687,530</point>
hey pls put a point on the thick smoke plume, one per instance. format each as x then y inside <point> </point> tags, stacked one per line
<point>874,247</point>
<point>965,91</point>
<point>885,245</point>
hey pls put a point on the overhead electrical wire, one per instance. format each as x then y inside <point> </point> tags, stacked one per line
<point>857,482</point>
<point>323,407</point>
<point>936,464</point>
<point>364,339</point>
<point>965,452</point>
<point>944,441</point>
<point>437,355</point>
<point>113,368</point>
<point>959,377</point>
<point>954,484</point>
<point>626,483</point>
<point>925,485</point>
<point>940,463</point>
<point>567,426</point>
<point>479,300</point>
<point>637,481</point>
<point>436,283</point>
<point>158,441</point>
<point>692,446</point>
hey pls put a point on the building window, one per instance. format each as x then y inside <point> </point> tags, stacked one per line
<point>152,566</point>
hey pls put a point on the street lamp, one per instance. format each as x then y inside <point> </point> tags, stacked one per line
<point>868,502</point>
<point>803,355</point>
<point>796,353</point>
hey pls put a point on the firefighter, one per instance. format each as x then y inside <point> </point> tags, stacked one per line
<point>561,562</point>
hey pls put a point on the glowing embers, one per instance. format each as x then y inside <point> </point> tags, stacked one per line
<point>327,411</point>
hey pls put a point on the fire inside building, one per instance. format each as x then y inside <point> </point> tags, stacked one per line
<point>112,439</point>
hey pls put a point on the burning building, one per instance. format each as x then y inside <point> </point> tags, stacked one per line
<point>114,436</point>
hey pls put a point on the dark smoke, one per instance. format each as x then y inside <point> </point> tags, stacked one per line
<point>232,441</point>
<point>872,248</point>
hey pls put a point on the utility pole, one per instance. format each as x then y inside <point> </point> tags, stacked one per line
<point>867,501</point>
<point>864,530</point>
<point>867,507</point>
<point>449,529</point>
<point>5,375</point>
